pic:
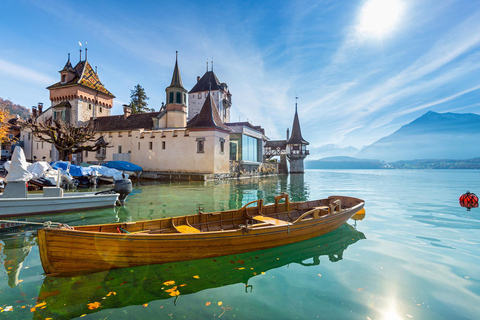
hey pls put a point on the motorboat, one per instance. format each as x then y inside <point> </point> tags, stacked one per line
<point>15,199</point>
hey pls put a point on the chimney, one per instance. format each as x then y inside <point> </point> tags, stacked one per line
<point>34,112</point>
<point>198,78</point>
<point>288,133</point>
<point>40,107</point>
<point>127,110</point>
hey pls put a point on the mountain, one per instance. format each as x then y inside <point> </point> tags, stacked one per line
<point>345,163</point>
<point>14,109</point>
<point>431,136</point>
<point>332,150</point>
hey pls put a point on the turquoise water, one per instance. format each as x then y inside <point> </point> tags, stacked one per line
<point>414,256</point>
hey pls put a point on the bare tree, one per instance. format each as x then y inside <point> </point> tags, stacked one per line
<point>66,138</point>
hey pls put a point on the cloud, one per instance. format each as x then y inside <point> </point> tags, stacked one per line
<point>385,96</point>
<point>24,74</point>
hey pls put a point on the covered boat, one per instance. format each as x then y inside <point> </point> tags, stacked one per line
<point>15,200</point>
<point>254,227</point>
<point>129,168</point>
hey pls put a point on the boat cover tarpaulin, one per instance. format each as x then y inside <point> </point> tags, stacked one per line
<point>122,165</point>
<point>110,172</point>
<point>38,168</point>
<point>75,171</point>
<point>17,170</point>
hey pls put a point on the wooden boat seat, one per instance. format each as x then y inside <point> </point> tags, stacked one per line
<point>186,229</point>
<point>273,221</point>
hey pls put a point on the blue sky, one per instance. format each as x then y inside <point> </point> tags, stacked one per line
<point>361,69</point>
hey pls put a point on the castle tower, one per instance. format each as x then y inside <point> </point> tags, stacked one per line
<point>219,93</point>
<point>176,106</point>
<point>296,147</point>
<point>79,95</point>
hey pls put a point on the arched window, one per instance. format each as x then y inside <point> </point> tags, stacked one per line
<point>170,99</point>
<point>179,97</point>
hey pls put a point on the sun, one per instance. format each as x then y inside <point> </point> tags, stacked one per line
<point>379,18</point>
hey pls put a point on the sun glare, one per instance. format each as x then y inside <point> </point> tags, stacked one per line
<point>379,17</point>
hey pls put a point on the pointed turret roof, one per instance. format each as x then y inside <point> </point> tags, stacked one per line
<point>208,117</point>
<point>68,66</point>
<point>176,78</point>
<point>296,137</point>
<point>209,78</point>
<point>85,76</point>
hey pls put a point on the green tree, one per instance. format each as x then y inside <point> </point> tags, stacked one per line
<point>138,100</point>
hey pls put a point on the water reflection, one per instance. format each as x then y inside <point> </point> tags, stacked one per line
<point>13,252</point>
<point>67,298</point>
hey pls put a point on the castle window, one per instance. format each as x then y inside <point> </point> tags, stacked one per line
<point>179,97</point>
<point>163,144</point>
<point>86,154</point>
<point>200,145</point>
<point>184,98</point>
<point>222,145</point>
<point>89,106</point>
<point>129,133</point>
<point>139,145</point>
<point>119,149</point>
<point>170,100</point>
<point>150,145</point>
<point>200,95</point>
<point>64,78</point>
<point>100,109</point>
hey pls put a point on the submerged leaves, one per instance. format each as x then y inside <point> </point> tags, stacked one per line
<point>94,305</point>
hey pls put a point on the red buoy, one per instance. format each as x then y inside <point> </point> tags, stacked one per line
<point>468,200</point>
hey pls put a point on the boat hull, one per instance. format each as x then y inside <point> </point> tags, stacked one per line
<point>76,251</point>
<point>37,204</point>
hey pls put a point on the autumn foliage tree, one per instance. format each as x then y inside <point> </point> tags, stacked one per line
<point>3,126</point>
<point>66,138</point>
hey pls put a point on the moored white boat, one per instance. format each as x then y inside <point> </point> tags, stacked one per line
<point>39,203</point>
<point>15,200</point>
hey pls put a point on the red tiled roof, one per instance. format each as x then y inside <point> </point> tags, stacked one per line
<point>208,117</point>
<point>132,122</point>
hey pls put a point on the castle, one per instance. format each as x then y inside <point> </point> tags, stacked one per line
<point>194,137</point>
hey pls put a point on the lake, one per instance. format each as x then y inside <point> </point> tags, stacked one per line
<point>416,255</point>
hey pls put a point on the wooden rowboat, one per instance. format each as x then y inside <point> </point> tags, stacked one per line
<point>68,297</point>
<point>83,249</point>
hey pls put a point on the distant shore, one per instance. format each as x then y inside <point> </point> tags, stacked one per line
<point>354,163</point>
